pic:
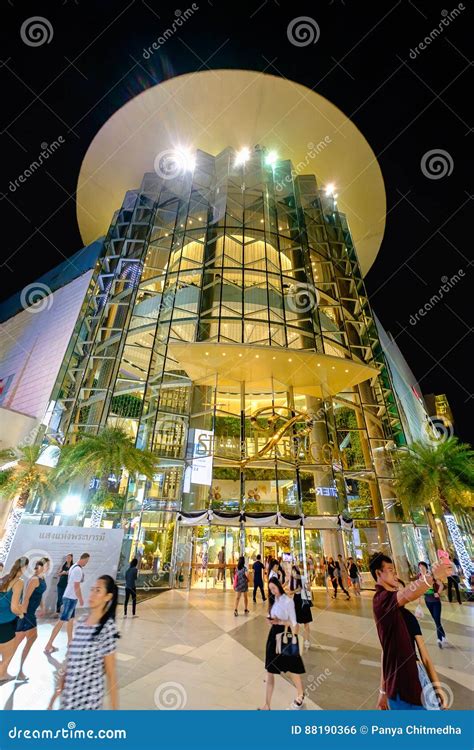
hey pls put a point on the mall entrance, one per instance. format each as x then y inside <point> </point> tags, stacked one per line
<point>207,555</point>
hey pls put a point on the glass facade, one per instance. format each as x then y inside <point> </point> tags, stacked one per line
<point>229,331</point>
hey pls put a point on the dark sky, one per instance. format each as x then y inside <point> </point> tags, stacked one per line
<point>405,106</point>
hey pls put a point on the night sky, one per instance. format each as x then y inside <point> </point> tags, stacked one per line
<point>406,104</point>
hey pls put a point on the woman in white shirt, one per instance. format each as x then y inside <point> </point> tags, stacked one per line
<point>282,614</point>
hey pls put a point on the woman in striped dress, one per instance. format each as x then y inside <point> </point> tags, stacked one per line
<point>91,654</point>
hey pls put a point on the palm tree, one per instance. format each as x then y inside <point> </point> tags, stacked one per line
<point>442,474</point>
<point>20,482</point>
<point>99,456</point>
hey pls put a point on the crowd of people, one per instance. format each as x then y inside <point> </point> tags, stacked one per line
<point>408,675</point>
<point>90,660</point>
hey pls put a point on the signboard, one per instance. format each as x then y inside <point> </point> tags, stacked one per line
<point>201,467</point>
<point>55,542</point>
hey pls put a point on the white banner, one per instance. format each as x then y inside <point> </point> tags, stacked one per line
<point>55,542</point>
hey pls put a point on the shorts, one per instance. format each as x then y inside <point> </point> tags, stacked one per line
<point>68,609</point>
<point>27,622</point>
<point>8,630</point>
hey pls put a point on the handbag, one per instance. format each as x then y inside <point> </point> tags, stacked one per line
<point>289,644</point>
<point>428,695</point>
<point>236,579</point>
<point>419,612</point>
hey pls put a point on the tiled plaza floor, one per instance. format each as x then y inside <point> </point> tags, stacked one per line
<point>187,650</point>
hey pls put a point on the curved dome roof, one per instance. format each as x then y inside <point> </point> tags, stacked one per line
<point>213,109</point>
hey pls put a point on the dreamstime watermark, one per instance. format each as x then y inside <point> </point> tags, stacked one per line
<point>314,149</point>
<point>448,16</point>
<point>46,151</point>
<point>66,733</point>
<point>170,696</point>
<point>438,430</point>
<point>36,31</point>
<point>447,285</point>
<point>302,297</point>
<point>436,164</point>
<point>312,684</point>
<point>433,692</point>
<point>181,18</point>
<point>303,31</point>
<point>36,297</point>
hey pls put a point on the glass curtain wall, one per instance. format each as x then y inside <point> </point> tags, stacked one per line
<point>250,257</point>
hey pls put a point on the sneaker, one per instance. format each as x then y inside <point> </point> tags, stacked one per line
<point>440,644</point>
<point>298,703</point>
<point>307,644</point>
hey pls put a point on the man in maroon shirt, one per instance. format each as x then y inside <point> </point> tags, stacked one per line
<point>401,686</point>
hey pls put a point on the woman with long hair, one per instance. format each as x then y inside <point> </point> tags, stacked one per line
<point>273,572</point>
<point>27,627</point>
<point>302,602</point>
<point>11,588</point>
<point>241,586</point>
<point>91,654</point>
<point>62,574</point>
<point>282,616</point>
<point>433,603</point>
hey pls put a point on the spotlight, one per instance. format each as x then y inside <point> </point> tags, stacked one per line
<point>242,156</point>
<point>71,505</point>
<point>330,188</point>
<point>271,158</point>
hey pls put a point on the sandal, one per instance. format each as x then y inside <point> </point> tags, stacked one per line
<point>236,614</point>
<point>246,611</point>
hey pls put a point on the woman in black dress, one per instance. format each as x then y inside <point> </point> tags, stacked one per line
<point>302,603</point>
<point>63,573</point>
<point>282,614</point>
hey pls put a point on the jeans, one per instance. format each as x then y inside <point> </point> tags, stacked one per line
<point>258,585</point>
<point>453,581</point>
<point>130,593</point>
<point>435,612</point>
<point>397,704</point>
<point>68,610</point>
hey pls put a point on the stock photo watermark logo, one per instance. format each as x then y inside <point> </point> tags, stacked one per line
<point>302,297</point>
<point>447,17</point>
<point>47,150</point>
<point>180,20</point>
<point>36,297</point>
<point>170,696</point>
<point>36,31</point>
<point>314,149</point>
<point>172,163</point>
<point>303,31</point>
<point>438,430</point>
<point>447,285</point>
<point>436,164</point>
<point>430,696</point>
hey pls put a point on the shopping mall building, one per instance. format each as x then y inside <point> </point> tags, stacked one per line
<point>224,323</point>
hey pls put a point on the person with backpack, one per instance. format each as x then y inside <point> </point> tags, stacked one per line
<point>241,586</point>
<point>91,654</point>
<point>72,597</point>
